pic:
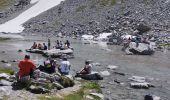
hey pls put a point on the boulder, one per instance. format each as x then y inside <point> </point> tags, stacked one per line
<point>4,61</point>
<point>92,76</point>
<point>38,89</point>
<point>58,85</point>
<point>66,82</point>
<point>99,95</point>
<point>112,67</point>
<point>4,76</point>
<point>138,85</point>
<point>140,49</point>
<point>5,83</point>
<point>151,97</point>
<point>138,79</point>
<point>143,28</point>
<point>105,73</point>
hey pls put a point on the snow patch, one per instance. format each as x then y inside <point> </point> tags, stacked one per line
<point>15,25</point>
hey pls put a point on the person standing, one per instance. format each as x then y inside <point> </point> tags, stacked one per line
<point>49,43</point>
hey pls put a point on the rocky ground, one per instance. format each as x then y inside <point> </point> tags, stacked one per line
<point>12,8</point>
<point>97,16</point>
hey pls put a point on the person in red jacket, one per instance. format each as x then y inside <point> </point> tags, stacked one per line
<point>26,67</point>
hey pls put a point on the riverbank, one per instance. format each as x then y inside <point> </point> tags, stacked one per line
<point>154,68</point>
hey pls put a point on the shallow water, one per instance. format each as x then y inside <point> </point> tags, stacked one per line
<point>156,66</point>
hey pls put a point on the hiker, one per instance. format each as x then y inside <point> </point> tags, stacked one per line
<point>67,43</point>
<point>86,69</point>
<point>26,67</point>
<point>44,46</point>
<point>49,66</point>
<point>61,45</point>
<point>49,44</point>
<point>57,46</point>
<point>64,67</point>
<point>40,47</point>
<point>34,46</point>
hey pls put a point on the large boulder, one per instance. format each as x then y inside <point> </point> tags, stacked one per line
<point>92,76</point>
<point>140,48</point>
<point>143,28</point>
<point>66,81</point>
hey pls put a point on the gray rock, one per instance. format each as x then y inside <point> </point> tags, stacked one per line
<point>5,83</point>
<point>38,89</point>
<point>58,85</point>
<point>101,96</point>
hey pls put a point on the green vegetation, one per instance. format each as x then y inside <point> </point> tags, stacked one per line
<point>6,3</point>
<point>7,70</point>
<point>79,95</point>
<point>107,2</point>
<point>3,39</point>
<point>81,8</point>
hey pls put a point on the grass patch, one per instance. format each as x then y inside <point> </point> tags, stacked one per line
<point>3,39</point>
<point>6,70</point>
<point>86,89</point>
<point>107,2</point>
<point>6,3</point>
<point>80,8</point>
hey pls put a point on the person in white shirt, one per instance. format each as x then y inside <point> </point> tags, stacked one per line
<point>64,68</point>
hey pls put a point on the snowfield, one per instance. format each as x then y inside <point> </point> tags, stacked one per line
<point>15,25</point>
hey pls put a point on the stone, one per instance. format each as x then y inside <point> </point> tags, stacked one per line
<point>4,76</point>
<point>5,83</point>
<point>143,28</point>
<point>20,51</point>
<point>38,89</point>
<point>101,96</point>
<point>4,61</point>
<point>151,97</point>
<point>91,76</point>
<point>66,82</point>
<point>138,85</point>
<point>88,97</point>
<point>58,85</point>
<point>138,79</point>
<point>105,73</point>
<point>112,67</point>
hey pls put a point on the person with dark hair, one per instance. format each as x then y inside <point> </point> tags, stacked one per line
<point>57,46</point>
<point>34,46</point>
<point>86,69</point>
<point>44,46</point>
<point>40,47</point>
<point>26,67</point>
<point>67,43</point>
<point>49,44</point>
<point>64,68</point>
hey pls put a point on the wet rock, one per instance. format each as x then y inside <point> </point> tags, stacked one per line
<point>92,76</point>
<point>88,97</point>
<point>20,51</point>
<point>38,89</point>
<point>138,85</point>
<point>5,83</point>
<point>4,76</point>
<point>66,82</point>
<point>112,67</point>
<point>58,85</point>
<point>101,96</point>
<point>105,73</point>
<point>3,52</point>
<point>138,79</point>
<point>143,28</point>
<point>119,73</point>
<point>151,97</point>
<point>4,61</point>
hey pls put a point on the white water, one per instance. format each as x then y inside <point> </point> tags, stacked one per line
<point>15,25</point>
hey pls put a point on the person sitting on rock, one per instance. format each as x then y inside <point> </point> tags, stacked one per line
<point>64,68</point>
<point>68,44</point>
<point>44,46</point>
<point>49,66</point>
<point>26,67</point>
<point>40,47</point>
<point>57,46</point>
<point>86,69</point>
<point>34,46</point>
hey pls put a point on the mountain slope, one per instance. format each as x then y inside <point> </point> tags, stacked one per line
<point>96,16</point>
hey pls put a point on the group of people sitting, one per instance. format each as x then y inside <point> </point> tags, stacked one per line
<point>61,45</point>
<point>39,46</point>
<point>27,67</point>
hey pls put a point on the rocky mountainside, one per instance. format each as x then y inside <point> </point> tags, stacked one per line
<point>11,8</point>
<point>96,16</point>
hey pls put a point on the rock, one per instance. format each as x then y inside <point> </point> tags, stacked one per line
<point>4,76</point>
<point>151,97</point>
<point>105,73</point>
<point>140,49</point>
<point>5,83</point>
<point>88,97</point>
<point>58,85</point>
<point>20,51</point>
<point>92,76</point>
<point>66,82</point>
<point>101,96</point>
<point>143,28</point>
<point>112,67</point>
<point>138,79</point>
<point>38,89</point>
<point>4,61</point>
<point>138,85</point>
<point>119,73</point>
